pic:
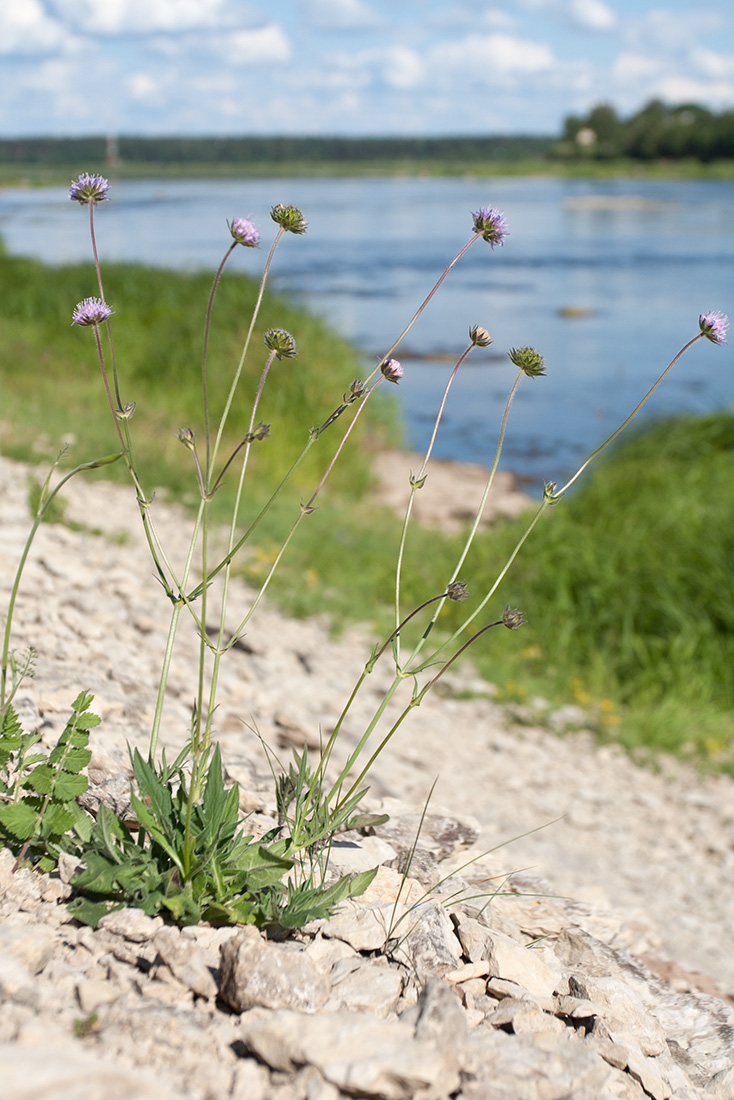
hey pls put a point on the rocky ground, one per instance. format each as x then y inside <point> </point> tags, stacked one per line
<point>625,889</point>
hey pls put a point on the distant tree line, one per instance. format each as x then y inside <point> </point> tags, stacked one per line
<point>656,132</point>
<point>268,150</point>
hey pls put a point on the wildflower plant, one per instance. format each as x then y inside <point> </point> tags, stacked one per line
<point>189,855</point>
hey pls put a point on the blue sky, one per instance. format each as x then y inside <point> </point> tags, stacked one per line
<point>351,66</point>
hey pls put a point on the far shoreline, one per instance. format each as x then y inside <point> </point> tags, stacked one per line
<point>35,175</point>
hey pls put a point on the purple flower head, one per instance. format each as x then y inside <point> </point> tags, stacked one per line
<point>244,232</point>
<point>391,370</point>
<point>491,224</point>
<point>89,189</point>
<point>91,311</point>
<point>714,326</point>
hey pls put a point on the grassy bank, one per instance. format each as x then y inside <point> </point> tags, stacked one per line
<point>628,584</point>
<point>53,391</point>
<point>34,175</point>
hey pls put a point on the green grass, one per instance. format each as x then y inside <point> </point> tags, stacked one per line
<point>627,584</point>
<point>43,176</point>
<point>52,390</point>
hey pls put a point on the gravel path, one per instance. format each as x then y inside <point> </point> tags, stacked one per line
<point>657,848</point>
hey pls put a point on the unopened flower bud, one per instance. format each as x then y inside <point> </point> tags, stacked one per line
<point>458,591</point>
<point>259,432</point>
<point>281,342</point>
<point>512,618</point>
<point>357,389</point>
<point>127,412</point>
<point>479,337</point>
<point>549,491</point>
<point>391,370</point>
<point>187,437</point>
<point>289,217</point>
<point>89,189</point>
<point>529,361</point>
<point>244,232</point>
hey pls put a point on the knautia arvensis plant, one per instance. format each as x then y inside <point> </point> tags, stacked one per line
<point>190,856</point>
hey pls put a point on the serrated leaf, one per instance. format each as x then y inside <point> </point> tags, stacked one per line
<point>29,761</point>
<point>11,733</point>
<point>82,702</point>
<point>41,779</point>
<point>71,759</point>
<point>56,821</point>
<point>19,819</point>
<point>87,721</point>
<point>69,786</point>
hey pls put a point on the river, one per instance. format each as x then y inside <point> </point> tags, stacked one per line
<point>605,278</point>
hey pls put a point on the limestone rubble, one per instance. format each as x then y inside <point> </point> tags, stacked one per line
<point>589,960</point>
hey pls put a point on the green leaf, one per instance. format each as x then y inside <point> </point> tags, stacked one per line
<point>69,786</point>
<point>239,911</point>
<point>150,787</point>
<point>87,721</point>
<point>73,759</point>
<point>41,779</point>
<point>148,820</point>
<point>19,819</point>
<point>214,795</point>
<point>83,822</point>
<point>98,876</point>
<point>11,733</point>
<point>182,908</point>
<point>263,867</point>
<point>366,821</point>
<point>91,912</point>
<point>57,820</point>
<point>306,903</point>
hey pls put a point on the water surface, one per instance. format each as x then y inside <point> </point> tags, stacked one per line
<point>605,278</point>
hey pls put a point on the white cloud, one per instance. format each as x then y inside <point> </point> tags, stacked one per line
<point>25,28</point>
<point>261,44</point>
<point>340,14</point>
<point>716,65</point>
<point>665,30</point>
<point>402,68</point>
<point>476,14</point>
<point>592,14</point>
<point>682,89</point>
<point>494,53</point>
<point>142,86</point>
<point>633,67</point>
<point>396,67</point>
<point>109,17</point>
